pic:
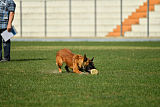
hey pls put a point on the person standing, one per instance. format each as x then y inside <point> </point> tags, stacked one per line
<point>7,10</point>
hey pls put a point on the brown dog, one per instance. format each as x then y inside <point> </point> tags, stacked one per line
<point>73,61</point>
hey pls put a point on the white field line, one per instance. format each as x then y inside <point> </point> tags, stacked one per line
<point>31,48</point>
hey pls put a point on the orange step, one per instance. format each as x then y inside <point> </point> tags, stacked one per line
<point>137,15</point>
<point>153,2</point>
<point>130,21</point>
<point>124,28</point>
<point>114,34</point>
<point>144,9</point>
<point>141,12</point>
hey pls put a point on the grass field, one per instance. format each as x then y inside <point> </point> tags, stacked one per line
<point>129,75</point>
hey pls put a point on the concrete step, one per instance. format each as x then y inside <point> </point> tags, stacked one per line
<point>154,34</point>
<point>126,9</point>
<point>139,28</point>
<point>157,8</point>
<point>58,34</point>
<point>106,28</point>
<point>142,34</point>
<point>32,4</point>
<point>41,29</point>
<point>58,3</point>
<point>60,27</point>
<point>108,21</point>
<point>56,22</point>
<point>101,34</point>
<point>133,2</point>
<point>65,21</point>
<point>31,34</point>
<point>143,21</point>
<point>38,22</point>
<point>83,34</point>
<point>75,9</point>
<point>154,14</point>
<point>125,3</point>
<point>80,3</point>
<point>31,9</point>
<point>135,34</point>
<point>62,34</point>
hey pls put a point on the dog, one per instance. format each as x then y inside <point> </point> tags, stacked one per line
<point>76,62</point>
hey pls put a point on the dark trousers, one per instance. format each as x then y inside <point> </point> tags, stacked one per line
<point>6,47</point>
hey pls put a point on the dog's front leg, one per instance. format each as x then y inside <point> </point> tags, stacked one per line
<point>75,64</point>
<point>75,69</point>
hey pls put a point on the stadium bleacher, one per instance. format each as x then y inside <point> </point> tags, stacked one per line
<point>135,25</point>
<point>82,22</point>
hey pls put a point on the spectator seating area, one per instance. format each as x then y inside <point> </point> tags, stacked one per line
<point>84,18</point>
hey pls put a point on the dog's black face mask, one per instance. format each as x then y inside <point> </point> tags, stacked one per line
<point>90,65</point>
<point>87,64</point>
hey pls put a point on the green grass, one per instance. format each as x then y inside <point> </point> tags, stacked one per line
<point>129,75</point>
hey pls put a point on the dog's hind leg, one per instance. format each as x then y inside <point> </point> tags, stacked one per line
<point>66,67</point>
<point>59,68</point>
<point>59,63</point>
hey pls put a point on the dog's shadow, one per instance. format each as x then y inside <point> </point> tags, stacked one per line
<point>29,59</point>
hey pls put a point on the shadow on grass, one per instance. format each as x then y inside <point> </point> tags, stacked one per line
<point>29,59</point>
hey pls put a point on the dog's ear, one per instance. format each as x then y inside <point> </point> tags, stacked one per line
<point>92,59</point>
<point>85,58</point>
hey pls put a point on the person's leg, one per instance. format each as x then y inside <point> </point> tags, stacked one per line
<point>6,46</point>
<point>0,46</point>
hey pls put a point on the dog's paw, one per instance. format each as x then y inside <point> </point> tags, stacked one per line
<point>84,73</point>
